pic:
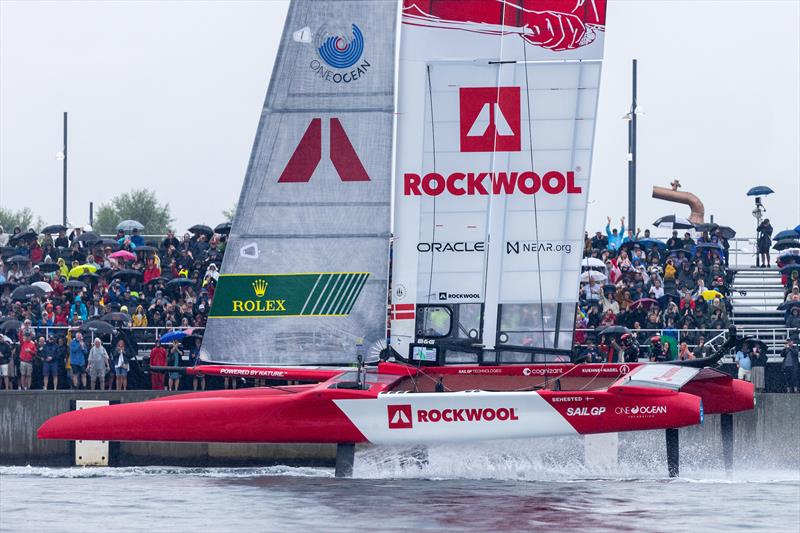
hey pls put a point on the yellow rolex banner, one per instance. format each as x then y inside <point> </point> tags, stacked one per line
<point>277,295</point>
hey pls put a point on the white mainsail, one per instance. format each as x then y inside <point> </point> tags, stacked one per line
<point>496,118</point>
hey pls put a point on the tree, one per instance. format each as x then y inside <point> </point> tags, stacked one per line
<point>230,213</point>
<point>24,218</point>
<point>139,204</point>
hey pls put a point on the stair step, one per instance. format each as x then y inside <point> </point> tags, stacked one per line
<point>758,288</point>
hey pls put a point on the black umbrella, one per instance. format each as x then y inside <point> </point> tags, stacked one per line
<point>789,268</point>
<point>201,228</point>
<point>727,232</point>
<point>145,248</point>
<point>21,259</point>
<point>785,306</point>
<point>116,317</point>
<point>614,330</point>
<point>786,243</point>
<point>89,278</point>
<point>75,284</point>
<point>156,280</point>
<point>662,300</point>
<point>189,340</point>
<point>178,283</point>
<point>105,241</point>
<point>26,292</point>
<point>127,274</point>
<point>712,245</point>
<point>48,267</point>
<point>759,190</point>
<point>23,236</point>
<point>10,325</point>
<point>787,234</point>
<point>746,344</point>
<point>223,229</point>
<point>608,287</point>
<point>54,228</point>
<point>98,327</point>
<point>706,226</point>
<point>7,251</point>
<point>673,222</point>
<point>90,238</point>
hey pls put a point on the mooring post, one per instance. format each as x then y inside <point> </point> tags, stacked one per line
<point>726,427</point>
<point>673,452</point>
<point>345,457</point>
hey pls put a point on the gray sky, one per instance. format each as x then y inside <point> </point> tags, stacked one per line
<point>167,95</point>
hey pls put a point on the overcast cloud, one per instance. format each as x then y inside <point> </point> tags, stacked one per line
<point>167,95</point>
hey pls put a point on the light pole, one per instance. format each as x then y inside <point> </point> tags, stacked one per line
<point>632,155</point>
<point>62,156</point>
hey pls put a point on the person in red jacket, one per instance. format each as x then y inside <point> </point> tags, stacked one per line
<point>27,351</point>
<point>158,357</point>
<point>152,271</point>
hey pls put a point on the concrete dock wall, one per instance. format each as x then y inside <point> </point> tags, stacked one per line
<point>22,412</point>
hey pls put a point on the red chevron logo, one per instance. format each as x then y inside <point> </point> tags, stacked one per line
<point>308,154</point>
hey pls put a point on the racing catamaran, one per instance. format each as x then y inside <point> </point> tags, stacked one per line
<point>495,126</point>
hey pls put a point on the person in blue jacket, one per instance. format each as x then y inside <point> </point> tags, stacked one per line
<point>615,236</point>
<point>77,360</point>
<point>78,308</point>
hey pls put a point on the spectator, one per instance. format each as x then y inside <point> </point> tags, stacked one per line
<point>744,364</point>
<point>51,362</point>
<point>122,365</point>
<point>97,365</point>
<point>175,354</point>
<point>615,235</point>
<point>137,239</point>
<point>77,361</point>
<point>27,351</point>
<point>793,320</point>
<point>764,241</point>
<point>158,357</point>
<point>194,357</point>
<point>790,366</point>
<point>674,242</point>
<point>759,363</point>
<point>5,360</point>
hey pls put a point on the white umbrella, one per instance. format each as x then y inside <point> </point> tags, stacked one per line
<point>43,285</point>
<point>593,275</point>
<point>673,222</point>
<point>789,251</point>
<point>593,262</point>
<point>5,339</point>
<point>130,225</point>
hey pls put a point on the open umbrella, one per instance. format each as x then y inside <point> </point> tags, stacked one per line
<point>176,335</point>
<point>189,340</point>
<point>592,262</point>
<point>614,330</point>
<point>706,226</point>
<point>759,190</point>
<point>609,287</point>
<point>127,274</point>
<point>74,284</point>
<point>789,253</point>
<point>198,229</point>
<point>116,317</point>
<point>676,251</point>
<point>788,269</point>
<point>708,246</point>
<point>130,225</point>
<point>710,294</point>
<point>586,276</point>
<point>786,244</point>
<point>223,229</point>
<point>179,282</point>
<point>673,222</point>
<point>786,234</point>
<point>19,259</point>
<point>6,340</point>
<point>23,236</point>
<point>157,280</point>
<point>98,327</point>
<point>663,300</point>
<point>644,303</point>
<point>652,243</point>
<point>78,271</point>
<point>145,248</point>
<point>48,267</point>
<point>124,255</point>
<point>89,278</point>
<point>786,306</point>
<point>89,238</point>
<point>26,292</point>
<point>10,325</point>
<point>727,232</point>
<point>43,285</point>
<point>746,344</point>
<point>53,228</point>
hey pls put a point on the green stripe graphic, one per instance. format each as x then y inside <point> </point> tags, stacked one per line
<point>275,295</point>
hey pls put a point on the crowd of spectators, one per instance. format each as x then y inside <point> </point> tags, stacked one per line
<point>679,287</point>
<point>57,288</point>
